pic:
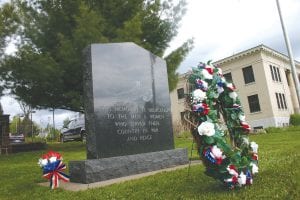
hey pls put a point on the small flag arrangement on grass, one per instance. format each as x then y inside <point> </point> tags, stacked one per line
<point>53,168</point>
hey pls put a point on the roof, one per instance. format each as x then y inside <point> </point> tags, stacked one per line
<point>258,48</point>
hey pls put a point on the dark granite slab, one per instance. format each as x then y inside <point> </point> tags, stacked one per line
<point>128,118</point>
<point>127,101</point>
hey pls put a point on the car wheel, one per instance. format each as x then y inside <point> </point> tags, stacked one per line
<point>83,137</point>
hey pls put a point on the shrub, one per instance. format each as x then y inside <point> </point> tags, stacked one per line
<point>274,129</point>
<point>34,139</point>
<point>295,119</point>
<point>53,136</point>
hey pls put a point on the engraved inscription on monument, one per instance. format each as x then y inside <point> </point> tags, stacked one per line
<point>135,125</point>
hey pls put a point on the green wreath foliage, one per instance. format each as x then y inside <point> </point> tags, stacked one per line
<point>212,101</point>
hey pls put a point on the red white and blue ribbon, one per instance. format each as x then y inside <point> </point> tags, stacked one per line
<point>54,172</point>
<point>53,168</point>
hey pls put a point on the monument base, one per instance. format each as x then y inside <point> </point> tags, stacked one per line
<point>95,170</point>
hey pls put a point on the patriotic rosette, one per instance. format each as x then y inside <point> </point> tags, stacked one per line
<point>233,164</point>
<point>53,168</point>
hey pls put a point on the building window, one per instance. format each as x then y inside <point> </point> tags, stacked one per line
<point>180,93</point>
<point>284,101</point>
<point>253,103</point>
<point>281,102</point>
<point>248,75</point>
<point>278,74</point>
<point>228,77</point>
<point>272,72</point>
<point>275,73</point>
<point>278,101</point>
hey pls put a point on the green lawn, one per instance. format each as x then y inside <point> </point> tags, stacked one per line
<point>278,177</point>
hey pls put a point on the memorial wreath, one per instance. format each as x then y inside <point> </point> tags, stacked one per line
<point>211,101</point>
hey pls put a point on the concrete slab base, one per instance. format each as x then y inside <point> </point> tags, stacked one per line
<point>95,170</point>
<point>70,186</point>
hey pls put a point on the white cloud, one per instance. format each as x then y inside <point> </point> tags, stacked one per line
<point>41,117</point>
<point>221,28</point>
<point>10,106</point>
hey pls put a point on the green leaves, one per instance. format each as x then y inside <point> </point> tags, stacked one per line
<point>54,33</point>
<point>89,28</point>
<point>32,74</point>
<point>209,140</point>
<point>173,61</point>
<point>212,115</point>
<point>212,94</point>
<point>233,116</point>
<point>8,24</point>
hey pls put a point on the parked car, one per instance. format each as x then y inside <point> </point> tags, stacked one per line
<point>74,131</point>
<point>16,138</point>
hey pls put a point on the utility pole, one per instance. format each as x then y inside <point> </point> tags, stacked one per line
<point>290,53</point>
<point>19,124</point>
<point>32,111</point>
<point>53,123</point>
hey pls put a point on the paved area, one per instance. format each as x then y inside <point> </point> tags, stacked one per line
<point>80,186</point>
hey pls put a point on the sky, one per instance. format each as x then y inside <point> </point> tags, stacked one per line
<point>220,28</point>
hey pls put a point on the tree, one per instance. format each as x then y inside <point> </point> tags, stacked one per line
<point>173,61</point>
<point>25,108</point>
<point>46,71</point>
<point>23,125</point>
<point>66,122</point>
<point>8,25</point>
<point>14,125</point>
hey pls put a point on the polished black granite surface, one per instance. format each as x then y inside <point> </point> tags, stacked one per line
<point>127,101</point>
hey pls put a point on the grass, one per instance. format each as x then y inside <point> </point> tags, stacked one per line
<point>278,177</point>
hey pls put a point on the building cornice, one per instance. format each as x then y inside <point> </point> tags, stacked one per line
<point>259,48</point>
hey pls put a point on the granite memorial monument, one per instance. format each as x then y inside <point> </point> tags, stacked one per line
<point>127,114</point>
